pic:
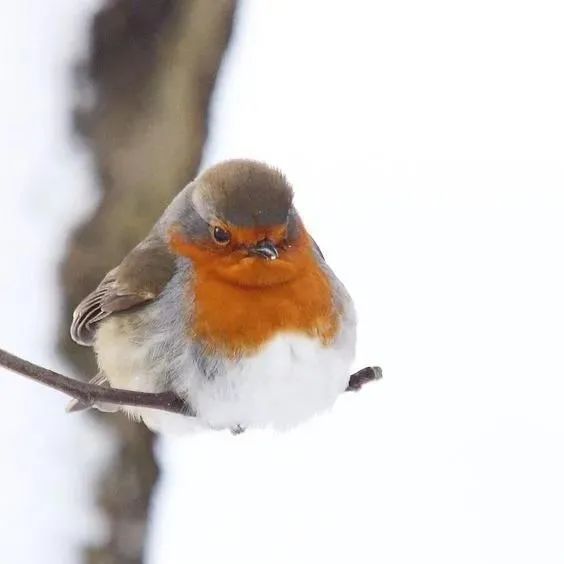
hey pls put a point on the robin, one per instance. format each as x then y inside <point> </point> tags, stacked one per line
<point>229,303</point>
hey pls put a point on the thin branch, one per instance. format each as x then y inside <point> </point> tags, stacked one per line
<point>363,376</point>
<point>166,401</point>
<point>92,393</point>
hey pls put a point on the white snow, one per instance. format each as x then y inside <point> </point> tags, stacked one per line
<point>48,458</point>
<point>424,140</point>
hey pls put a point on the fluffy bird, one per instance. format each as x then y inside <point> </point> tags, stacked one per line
<point>229,303</point>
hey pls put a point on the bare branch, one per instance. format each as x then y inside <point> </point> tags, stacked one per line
<point>166,401</point>
<point>363,376</point>
<point>91,393</point>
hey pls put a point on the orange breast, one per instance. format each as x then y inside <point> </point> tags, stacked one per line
<point>238,319</point>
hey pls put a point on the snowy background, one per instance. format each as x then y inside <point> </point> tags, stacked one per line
<point>49,460</point>
<point>425,144</point>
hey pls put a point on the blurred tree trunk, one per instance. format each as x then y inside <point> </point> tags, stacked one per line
<point>152,66</point>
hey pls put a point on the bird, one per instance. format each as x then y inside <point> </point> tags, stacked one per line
<point>229,303</point>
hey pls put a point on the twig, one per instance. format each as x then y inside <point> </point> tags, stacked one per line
<point>363,376</point>
<point>166,401</point>
<point>92,393</point>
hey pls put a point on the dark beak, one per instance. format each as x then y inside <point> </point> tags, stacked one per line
<point>265,249</point>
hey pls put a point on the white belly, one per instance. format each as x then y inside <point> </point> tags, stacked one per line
<point>288,381</point>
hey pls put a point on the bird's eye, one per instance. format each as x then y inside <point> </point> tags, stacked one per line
<point>221,236</point>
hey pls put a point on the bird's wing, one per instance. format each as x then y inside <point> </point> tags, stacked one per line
<point>140,278</point>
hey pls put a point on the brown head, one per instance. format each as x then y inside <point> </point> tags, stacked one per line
<point>252,259</point>
<point>237,221</point>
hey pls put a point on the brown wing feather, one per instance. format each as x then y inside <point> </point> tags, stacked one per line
<point>140,278</point>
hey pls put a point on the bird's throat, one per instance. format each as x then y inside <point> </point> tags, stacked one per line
<point>236,320</point>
